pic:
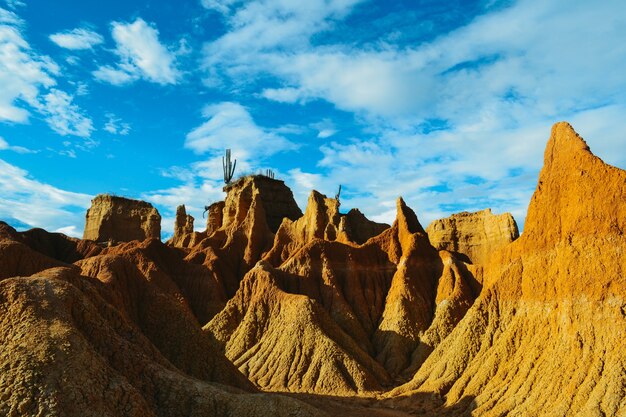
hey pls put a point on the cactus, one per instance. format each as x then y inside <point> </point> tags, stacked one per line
<point>338,193</point>
<point>229,168</point>
<point>269,173</point>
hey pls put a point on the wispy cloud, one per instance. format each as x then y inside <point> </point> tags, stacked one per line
<point>457,122</point>
<point>9,17</point>
<point>14,4</point>
<point>77,39</point>
<point>23,72</point>
<point>230,125</point>
<point>4,146</point>
<point>266,26</point>
<point>115,126</point>
<point>27,77</point>
<point>141,54</point>
<point>38,204</point>
<point>63,116</point>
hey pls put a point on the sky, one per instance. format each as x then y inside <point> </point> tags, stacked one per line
<point>447,104</point>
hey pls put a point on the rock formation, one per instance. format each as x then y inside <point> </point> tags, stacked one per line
<point>548,334</point>
<point>369,303</point>
<point>215,217</point>
<point>321,220</point>
<point>476,235</point>
<point>119,219</point>
<point>113,335</point>
<point>183,227</point>
<point>275,197</point>
<point>359,228</point>
<point>325,303</point>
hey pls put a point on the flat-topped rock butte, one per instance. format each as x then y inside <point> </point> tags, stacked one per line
<point>272,311</point>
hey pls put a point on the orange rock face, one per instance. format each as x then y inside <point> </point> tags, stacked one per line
<point>476,235</point>
<point>113,335</point>
<point>548,334</point>
<point>365,306</point>
<point>121,219</point>
<point>183,228</point>
<point>275,196</point>
<point>326,306</point>
<point>215,217</point>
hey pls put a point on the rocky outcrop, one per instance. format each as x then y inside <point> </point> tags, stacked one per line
<point>330,304</point>
<point>275,197</point>
<point>114,334</point>
<point>119,219</point>
<point>215,217</point>
<point>288,342</point>
<point>321,220</point>
<point>184,222</point>
<point>183,227</point>
<point>359,228</point>
<point>75,354</point>
<point>369,303</point>
<point>25,253</point>
<point>476,235</point>
<point>548,332</point>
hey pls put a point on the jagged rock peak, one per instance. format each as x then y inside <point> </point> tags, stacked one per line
<point>276,197</point>
<point>321,217</point>
<point>359,228</point>
<point>119,219</point>
<point>552,310</point>
<point>577,192</point>
<point>475,235</point>
<point>184,221</point>
<point>406,218</point>
<point>183,225</point>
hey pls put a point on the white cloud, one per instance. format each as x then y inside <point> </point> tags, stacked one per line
<point>27,77</point>
<point>222,6</point>
<point>458,122</point>
<point>38,204</point>
<point>231,126</point>
<point>283,95</point>
<point>4,146</point>
<point>116,76</point>
<point>77,39</point>
<point>115,126</point>
<point>8,17</point>
<point>262,26</point>
<point>141,56</point>
<point>14,4</point>
<point>63,116</point>
<point>22,73</point>
<point>325,128</point>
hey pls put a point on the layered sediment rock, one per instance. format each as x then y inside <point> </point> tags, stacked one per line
<point>321,220</point>
<point>119,219</point>
<point>476,235</point>
<point>330,304</point>
<point>276,198</point>
<point>113,335</point>
<point>369,303</point>
<point>548,334</point>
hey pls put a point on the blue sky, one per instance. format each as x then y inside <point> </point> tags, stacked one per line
<point>448,104</point>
